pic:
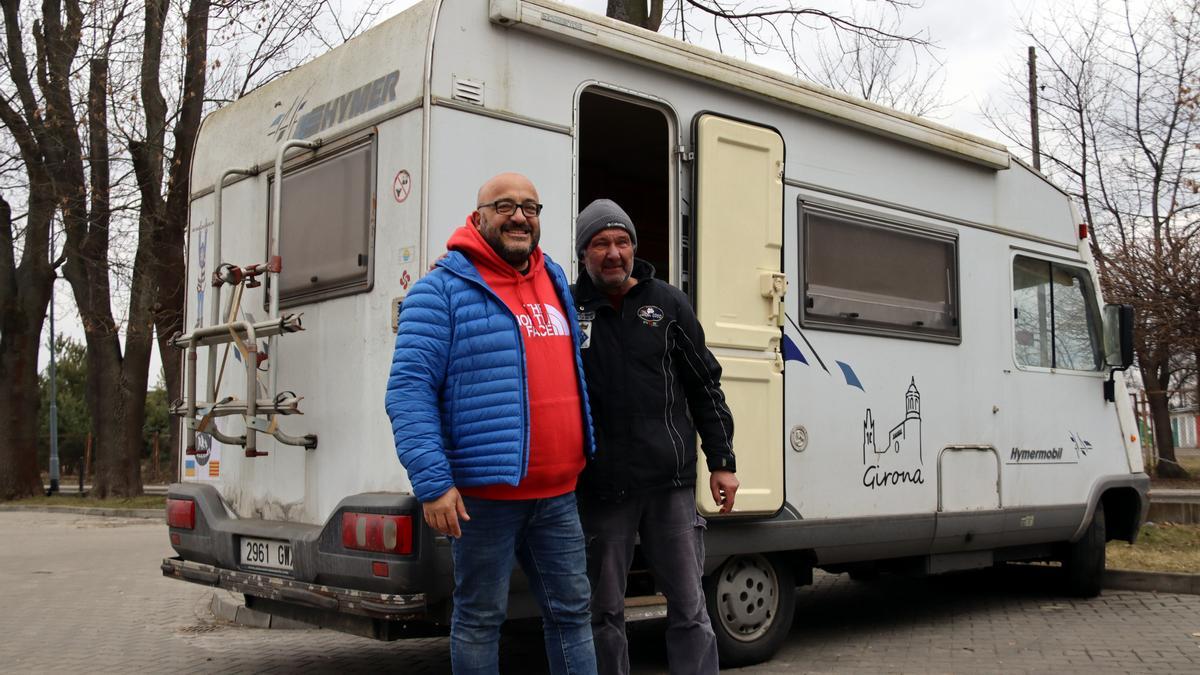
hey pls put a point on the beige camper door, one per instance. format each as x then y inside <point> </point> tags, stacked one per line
<point>738,237</point>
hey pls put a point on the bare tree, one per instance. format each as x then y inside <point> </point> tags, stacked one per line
<point>35,129</point>
<point>782,26</point>
<point>1119,124</point>
<point>107,149</point>
<point>872,59</point>
<point>891,73</point>
<point>24,294</point>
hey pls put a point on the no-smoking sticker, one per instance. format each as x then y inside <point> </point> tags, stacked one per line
<point>401,186</point>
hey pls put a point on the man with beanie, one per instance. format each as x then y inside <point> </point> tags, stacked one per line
<point>490,418</point>
<point>653,384</point>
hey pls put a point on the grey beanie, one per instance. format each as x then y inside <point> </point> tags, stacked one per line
<point>601,215</point>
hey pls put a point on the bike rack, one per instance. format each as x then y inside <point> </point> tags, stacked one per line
<point>258,415</point>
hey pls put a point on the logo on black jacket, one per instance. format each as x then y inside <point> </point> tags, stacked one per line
<point>650,315</point>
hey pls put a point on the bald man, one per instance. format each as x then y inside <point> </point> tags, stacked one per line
<point>490,417</point>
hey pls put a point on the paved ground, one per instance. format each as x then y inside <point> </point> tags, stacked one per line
<point>84,594</point>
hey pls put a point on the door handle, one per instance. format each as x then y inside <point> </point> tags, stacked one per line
<point>773,286</point>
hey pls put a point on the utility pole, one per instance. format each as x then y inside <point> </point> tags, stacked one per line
<point>1033,110</point>
<point>53,398</point>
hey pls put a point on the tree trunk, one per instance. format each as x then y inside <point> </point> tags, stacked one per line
<point>25,288</point>
<point>24,296</point>
<point>635,12</point>
<point>116,383</point>
<point>117,404</point>
<point>1160,413</point>
<point>19,475</point>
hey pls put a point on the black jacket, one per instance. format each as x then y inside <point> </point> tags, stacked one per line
<point>652,384</point>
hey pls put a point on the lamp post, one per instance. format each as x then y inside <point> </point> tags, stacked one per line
<point>53,398</point>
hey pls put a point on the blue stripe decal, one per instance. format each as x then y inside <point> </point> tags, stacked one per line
<point>791,352</point>
<point>851,378</point>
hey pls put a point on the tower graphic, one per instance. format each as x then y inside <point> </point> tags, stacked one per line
<point>905,434</point>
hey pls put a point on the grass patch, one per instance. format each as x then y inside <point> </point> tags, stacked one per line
<point>1190,463</point>
<point>142,502</point>
<point>1162,547</point>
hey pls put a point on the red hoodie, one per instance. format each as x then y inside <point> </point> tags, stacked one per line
<point>556,454</point>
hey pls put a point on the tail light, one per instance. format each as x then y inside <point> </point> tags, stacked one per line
<point>181,513</point>
<point>377,532</point>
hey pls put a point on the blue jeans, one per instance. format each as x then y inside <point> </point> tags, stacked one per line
<point>544,535</point>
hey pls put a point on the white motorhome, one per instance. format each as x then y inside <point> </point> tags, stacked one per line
<point>921,370</point>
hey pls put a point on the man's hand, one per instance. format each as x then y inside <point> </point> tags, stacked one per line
<point>442,514</point>
<point>724,487</point>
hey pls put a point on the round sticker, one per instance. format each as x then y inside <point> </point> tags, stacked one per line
<point>402,186</point>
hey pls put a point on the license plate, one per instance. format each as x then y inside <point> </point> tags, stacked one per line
<point>267,553</point>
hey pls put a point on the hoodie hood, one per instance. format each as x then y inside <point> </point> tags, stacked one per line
<point>468,241</point>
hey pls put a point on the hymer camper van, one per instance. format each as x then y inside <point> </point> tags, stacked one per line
<point>923,375</point>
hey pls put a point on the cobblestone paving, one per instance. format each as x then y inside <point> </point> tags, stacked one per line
<point>84,594</point>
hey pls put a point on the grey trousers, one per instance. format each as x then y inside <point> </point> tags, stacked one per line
<point>672,539</point>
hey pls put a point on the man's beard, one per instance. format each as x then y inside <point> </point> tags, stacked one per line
<point>599,282</point>
<point>516,257</point>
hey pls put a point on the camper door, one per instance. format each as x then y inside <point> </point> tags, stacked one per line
<point>739,287</point>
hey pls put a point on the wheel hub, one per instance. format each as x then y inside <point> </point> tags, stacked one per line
<point>747,597</point>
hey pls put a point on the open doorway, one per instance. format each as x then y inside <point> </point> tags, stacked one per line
<point>625,156</point>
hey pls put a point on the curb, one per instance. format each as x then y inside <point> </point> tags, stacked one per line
<point>1160,582</point>
<point>226,607</point>
<point>148,514</point>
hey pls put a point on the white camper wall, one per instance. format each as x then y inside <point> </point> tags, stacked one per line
<point>338,363</point>
<point>466,150</point>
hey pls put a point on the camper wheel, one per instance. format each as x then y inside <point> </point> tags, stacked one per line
<point>1083,565</point>
<point>751,602</point>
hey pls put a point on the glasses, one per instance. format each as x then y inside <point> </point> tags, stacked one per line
<point>507,207</point>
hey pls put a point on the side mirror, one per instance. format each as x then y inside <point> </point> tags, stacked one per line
<point>1118,343</point>
<point>1118,336</point>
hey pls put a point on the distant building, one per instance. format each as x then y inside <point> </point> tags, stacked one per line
<point>1185,426</point>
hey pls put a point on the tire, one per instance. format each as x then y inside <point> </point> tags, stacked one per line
<point>1083,564</point>
<point>751,603</point>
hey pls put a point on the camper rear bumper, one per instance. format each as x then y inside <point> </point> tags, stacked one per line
<point>315,565</point>
<point>315,596</point>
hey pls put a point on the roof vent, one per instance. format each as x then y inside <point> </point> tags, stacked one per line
<point>470,91</point>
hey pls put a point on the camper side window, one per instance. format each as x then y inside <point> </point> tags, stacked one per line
<point>325,228</point>
<point>1055,320</point>
<point>868,275</point>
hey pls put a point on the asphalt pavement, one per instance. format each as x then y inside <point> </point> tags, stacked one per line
<point>84,594</point>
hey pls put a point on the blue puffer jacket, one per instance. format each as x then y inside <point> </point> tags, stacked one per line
<point>457,394</point>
